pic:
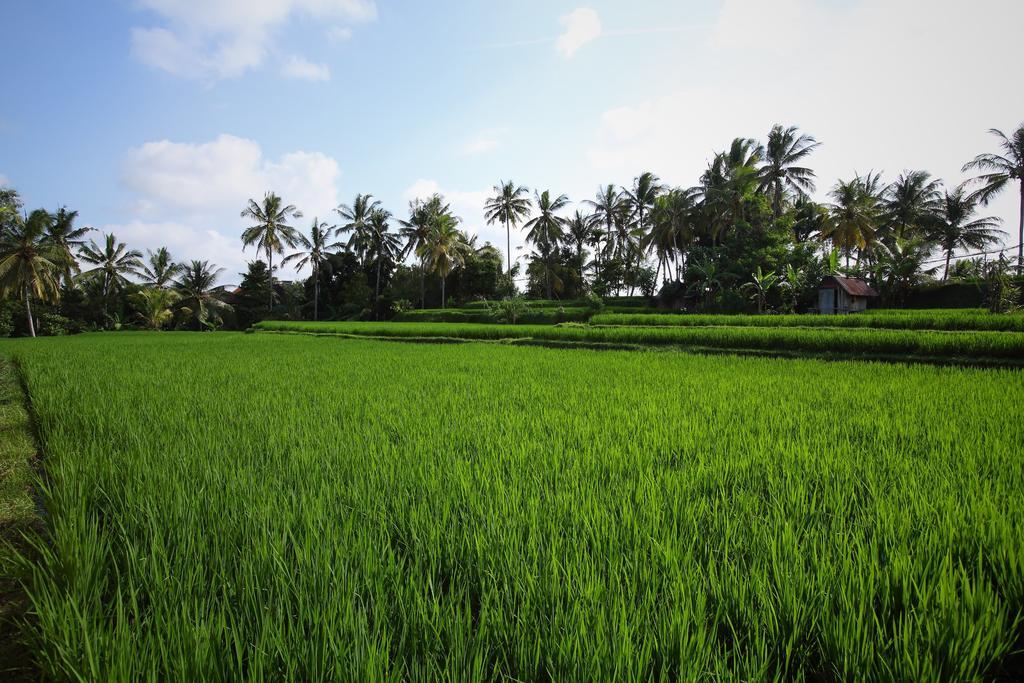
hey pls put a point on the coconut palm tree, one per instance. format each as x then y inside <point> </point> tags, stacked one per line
<point>62,231</point>
<point>780,173</point>
<point>509,205</point>
<point>911,204</point>
<point>547,229</point>
<point>378,242</point>
<point>200,297</point>
<point>580,228</point>
<point>1000,171</point>
<point>30,263</point>
<point>671,228</point>
<point>112,264</point>
<point>270,232</point>
<point>356,222</point>
<point>646,188</point>
<point>444,248</point>
<point>607,205</point>
<point>314,251</point>
<point>155,304</point>
<point>422,215</point>
<point>959,229</point>
<point>854,214</point>
<point>160,269</point>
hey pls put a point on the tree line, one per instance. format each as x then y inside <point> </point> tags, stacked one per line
<point>747,235</point>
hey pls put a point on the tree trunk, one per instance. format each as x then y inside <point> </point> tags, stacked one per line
<point>1020,234</point>
<point>28,314</point>
<point>423,283</point>
<point>508,252</point>
<point>270,266</point>
<point>442,291</point>
<point>316,292</point>
<point>945,274</point>
<point>376,287</point>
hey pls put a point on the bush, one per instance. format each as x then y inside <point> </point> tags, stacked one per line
<point>54,325</point>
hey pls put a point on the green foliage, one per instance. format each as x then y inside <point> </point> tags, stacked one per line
<point>603,515</point>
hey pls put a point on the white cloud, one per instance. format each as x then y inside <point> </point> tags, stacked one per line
<point>582,26</point>
<point>886,109</point>
<point>189,196</point>
<point>4,180</point>
<point>339,34</point>
<point>481,143</point>
<point>305,70</point>
<point>212,39</point>
<point>467,205</point>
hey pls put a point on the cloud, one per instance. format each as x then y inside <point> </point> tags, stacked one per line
<point>213,39</point>
<point>481,143</point>
<point>879,109</point>
<point>305,70</point>
<point>4,180</point>
<point>339,34</point>
<point>582,26</point>
<point>189,195</point>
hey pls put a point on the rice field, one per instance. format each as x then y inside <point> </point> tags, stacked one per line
<point>228,506</point>
<point>896,319</point>
<point>1005,347</point>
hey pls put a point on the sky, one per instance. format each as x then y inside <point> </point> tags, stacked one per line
<point>158,119</point>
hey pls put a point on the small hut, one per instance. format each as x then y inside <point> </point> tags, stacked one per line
<point>843,295</point>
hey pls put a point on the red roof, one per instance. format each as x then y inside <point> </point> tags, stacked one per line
<point>850,285</point>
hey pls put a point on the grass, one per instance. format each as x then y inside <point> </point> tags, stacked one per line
<point>996,346</point>
<point>17,518</point>
<point>226,506</point>
<point>950,319</point>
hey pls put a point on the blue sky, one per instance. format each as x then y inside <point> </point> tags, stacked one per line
<point>158,118</point>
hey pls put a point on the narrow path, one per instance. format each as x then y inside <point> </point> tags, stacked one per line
<point>18,515</point>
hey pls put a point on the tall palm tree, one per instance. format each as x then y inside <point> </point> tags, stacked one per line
<point>62,231</point>
<point>607,205</point>
<point>780,173</point>
<point>30,264</point>
<point>547,228</point>
<point>270,232</point>
<point>959,229</point>
<point>160,269</point>
<point>854,215</point>
<point>112,264</point>
<point>313,252</point>
<point>380,243</point>
<point>671,227</point>
<point>356,222</point>
<point>200,297</point>
<point>646,188</point>
<point>999,171</point>
<point>509,205</point>
<point>415,231</point>
<point>911,204</point>
<point>444,248</point>
<point>580,228</point>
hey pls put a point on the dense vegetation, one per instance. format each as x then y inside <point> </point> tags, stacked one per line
<point>903,344</point>
<point>747,237</point>
<point>519,513</point>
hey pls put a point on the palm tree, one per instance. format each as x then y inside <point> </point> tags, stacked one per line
<point>959,229</point>
<point>155,304</point>
<point>112,264</point>
<point>547,229</point>
<point>646,188</point>
<point>671,227</point>
<point>607,205</point>
<point>199,295</point>
<point>580,230</point>
<point>271,231</point>
<point>62,231</point>
<point>509,205</point>
<point>786,148</point>
<point>160,269</point>
<point>444,248</point>
<point>357,221</point>
<point>30,263</point>
<point>760,285</point>
<point>911,204</point>
<point>380,242</point>
<point>999,172</point>
<point>854,214</point>
<point>315,252</point>
<point>416,230</point>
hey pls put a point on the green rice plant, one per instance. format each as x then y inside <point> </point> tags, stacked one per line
<point>226,506</point>
<point>1002,346</point>
<point>941,319</point>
